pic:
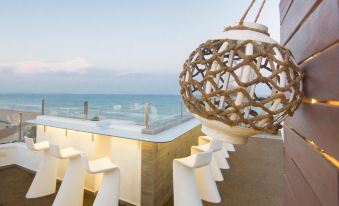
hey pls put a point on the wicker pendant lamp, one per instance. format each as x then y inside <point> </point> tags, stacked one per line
<point>241,84</point>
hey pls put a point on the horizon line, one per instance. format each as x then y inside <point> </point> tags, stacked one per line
<point>63,93</point>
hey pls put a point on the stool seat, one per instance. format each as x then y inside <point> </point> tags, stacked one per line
<point>185,188</point>
<point>100,165</point>
<point>108,194</point>
<point>207,139</point>
<point>214,147</point>
<point>209,147</point>
<point>221,154</point>
<point>206,183</point>
<point>229,147</point>
<point>44,145</point>
<point>66,153</point>
<point>194,162</point>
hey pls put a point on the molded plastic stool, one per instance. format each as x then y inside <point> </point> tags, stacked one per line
<point>221,155</point>
<point>185,188</point>
<point>225,145</point>
<point>229,147</point>
<point>207,186</point>
<point>214,147</point>
<point>44,182</point>
<point>207,139</point>
<point>108,194</point>
<point>72,187</point>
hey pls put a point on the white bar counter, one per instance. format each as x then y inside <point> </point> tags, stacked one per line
<point>116,128</point>
<point>142,158</point>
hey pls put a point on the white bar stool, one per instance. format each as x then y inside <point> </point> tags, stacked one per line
<point>72,187</point>
<point>207,186</point>
<point>207,139</point>
<point>229,147</point>
<point>108,194</point>
<point>221,155</point>
<point>214,147</point>
<point>185,188</point>
<point>44,182</point>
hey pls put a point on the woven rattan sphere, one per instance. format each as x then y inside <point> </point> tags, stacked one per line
<point>244,80</point>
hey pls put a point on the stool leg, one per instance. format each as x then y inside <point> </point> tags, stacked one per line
<point>225,152</point>
<point>221,160</point>
<point>216,169</point>
<point>206,184</point>
<point>185,188</point>
<point>71,191</point>
<point>108,194</point>
<point>44,182</point>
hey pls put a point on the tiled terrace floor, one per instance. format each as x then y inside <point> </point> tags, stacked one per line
<point>256,175</point>
<point>255,179</point>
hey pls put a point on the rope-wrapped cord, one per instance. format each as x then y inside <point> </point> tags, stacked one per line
<point>246,12</point>
<point>242,27</point>
<point>259,12</point>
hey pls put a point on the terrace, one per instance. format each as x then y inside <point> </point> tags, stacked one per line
<point>256,176</point>
<point>185,161</point>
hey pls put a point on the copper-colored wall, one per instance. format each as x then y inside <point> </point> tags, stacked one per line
<point>310,29</point>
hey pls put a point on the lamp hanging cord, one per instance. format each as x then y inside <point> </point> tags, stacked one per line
<point>259,12</point>
<point>246,12</point>
<point>240,26</point>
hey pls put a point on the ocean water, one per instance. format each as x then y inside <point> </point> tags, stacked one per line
<point>113,106</point>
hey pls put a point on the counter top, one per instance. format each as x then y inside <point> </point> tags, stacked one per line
<point>116,128</point>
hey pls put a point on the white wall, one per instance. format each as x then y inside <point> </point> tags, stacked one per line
<point>7,154</point>
<point>17,153</point>
<point>26,158</point>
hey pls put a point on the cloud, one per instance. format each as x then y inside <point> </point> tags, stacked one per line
<point>76,65</point>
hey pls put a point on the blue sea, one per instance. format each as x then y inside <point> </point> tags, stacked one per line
<point>112,106</point>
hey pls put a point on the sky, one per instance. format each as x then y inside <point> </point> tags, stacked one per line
<point>110,46</point>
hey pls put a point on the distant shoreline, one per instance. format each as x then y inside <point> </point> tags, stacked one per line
<point>26,115</point>
<point>123,107</point>
<point>89,94</point>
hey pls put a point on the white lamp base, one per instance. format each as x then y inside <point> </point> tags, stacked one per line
<point>234,135</point>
